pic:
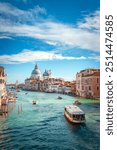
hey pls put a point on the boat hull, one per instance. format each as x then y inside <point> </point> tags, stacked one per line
<point>72,120</point>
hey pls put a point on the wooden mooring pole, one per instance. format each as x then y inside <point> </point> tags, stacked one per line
<point>19,108</point>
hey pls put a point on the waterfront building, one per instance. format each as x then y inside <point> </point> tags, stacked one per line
<point>60,89</point>
<point>67,89</point>
<point>88,83</point>
<point>59,86</point>
<point>34,85</point>
<point>59,81</point>
<point>73,88</point>
<point>37,82</point>
<point>28,84</point>
<point>21,85</point>
<point>53,88</point>
<point>55,84</point>
<point>3,92</point>
<point>31,84</point>
<point>46,83</point>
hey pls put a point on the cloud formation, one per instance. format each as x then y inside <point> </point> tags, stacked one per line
<point>5,37</point>
<point>94,57</point>
<point>30,56</point>
<point>91,22</point>
<point>84,34</point>
<point>10,12</point>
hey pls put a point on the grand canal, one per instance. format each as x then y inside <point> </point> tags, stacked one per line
<point>44,127</point>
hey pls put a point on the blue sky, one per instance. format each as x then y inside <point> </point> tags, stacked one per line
<point>61,35</point>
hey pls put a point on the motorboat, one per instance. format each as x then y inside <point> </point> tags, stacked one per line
<point>59,97</point>
<point>74,114</point>
<point>34,102</point>
<point>77,102</point>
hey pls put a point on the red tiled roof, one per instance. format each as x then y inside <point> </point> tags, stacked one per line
<point>93,74</point>
<point>96,74</point>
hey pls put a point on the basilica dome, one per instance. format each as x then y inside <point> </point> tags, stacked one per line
<point>36,73</point>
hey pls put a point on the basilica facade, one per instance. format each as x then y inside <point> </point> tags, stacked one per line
<point>44,82</point>
<point>37,80</point>
<point>37,75</point>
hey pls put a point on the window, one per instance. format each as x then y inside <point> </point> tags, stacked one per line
<point>79,117</point>
<point>82,87</point>
<point>89,87</point>
<point>97,80</point>
<point>1,81</point>
<point>97,88</point>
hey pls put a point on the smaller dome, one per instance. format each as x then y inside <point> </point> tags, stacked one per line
<point>47,73</point>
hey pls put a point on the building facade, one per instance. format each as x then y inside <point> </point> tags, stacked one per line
<point>46,83</point>
<point>88,83</point>
<point>3,92</point>
<point>37,81</point>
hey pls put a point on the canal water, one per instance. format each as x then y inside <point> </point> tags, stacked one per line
<point>44,127</point>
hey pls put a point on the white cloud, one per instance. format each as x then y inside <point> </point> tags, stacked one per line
<point>30,56</point>
<point>55,34</point>
<point>84,34</point>
<point>94,57</point>
<point>91,22</point>
<point>8,11</point>
<point>5,37</point>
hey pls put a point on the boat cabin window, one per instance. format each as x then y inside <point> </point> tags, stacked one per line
<point>78,117</point>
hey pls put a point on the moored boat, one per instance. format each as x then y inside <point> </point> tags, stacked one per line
<point>74,114</point>
<point>18,90</point>
<point>77,102</point>
<point>34,102</point>
<point>59,97</point>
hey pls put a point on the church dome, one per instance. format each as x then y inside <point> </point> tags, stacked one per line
<point>46,73</point>
<point>36,73</point>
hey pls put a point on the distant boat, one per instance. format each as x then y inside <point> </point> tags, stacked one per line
<point>59,97</point>
<point>77,103</point>
<point>34,102</point>
<point>18,90</point>
<point>74,114</point>
<point>49,91</point>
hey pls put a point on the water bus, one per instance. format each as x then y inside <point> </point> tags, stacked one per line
<point>74,114</point>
